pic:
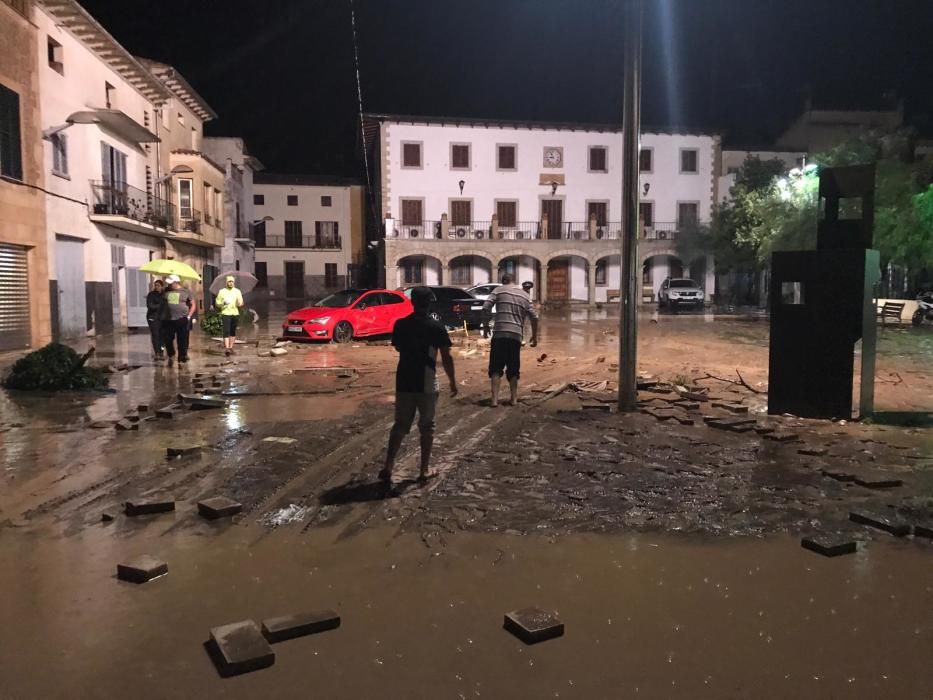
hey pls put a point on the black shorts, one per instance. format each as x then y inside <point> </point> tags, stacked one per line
<point>230,325</point>
<point>505,354</point>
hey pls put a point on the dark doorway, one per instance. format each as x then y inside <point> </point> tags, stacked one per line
<point>295,280</point>
<point>554,210</point>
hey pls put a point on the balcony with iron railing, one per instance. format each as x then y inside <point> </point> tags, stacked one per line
<point>530,231</point>
<point>303,242</point>
<point>189,221</point>
<point>123,206</point>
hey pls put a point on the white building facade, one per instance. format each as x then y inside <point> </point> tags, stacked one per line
<point>308,235</point>
<point>466,201</point>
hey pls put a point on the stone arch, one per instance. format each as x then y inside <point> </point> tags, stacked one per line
<point>461,252</point>
<point>439,269</point>
<point>567,252</point>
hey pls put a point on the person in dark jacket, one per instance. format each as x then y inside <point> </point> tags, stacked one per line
<point>155,314</point>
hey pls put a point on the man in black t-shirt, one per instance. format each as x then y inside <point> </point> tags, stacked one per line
<point>418,340</point>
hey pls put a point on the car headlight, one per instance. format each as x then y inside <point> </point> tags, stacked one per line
<point>320,319</point>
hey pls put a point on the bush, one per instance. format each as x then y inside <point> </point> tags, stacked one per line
<point>213,326</point>
<point>55,367</point>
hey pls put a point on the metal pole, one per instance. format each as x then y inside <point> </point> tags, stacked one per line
<point>631,126</point>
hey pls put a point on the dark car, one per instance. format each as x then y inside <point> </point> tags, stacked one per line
<point>452,306</point>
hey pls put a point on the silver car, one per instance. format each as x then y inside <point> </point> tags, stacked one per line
<point>679,292</point>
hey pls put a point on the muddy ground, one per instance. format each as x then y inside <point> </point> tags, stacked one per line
<point>559,475</point>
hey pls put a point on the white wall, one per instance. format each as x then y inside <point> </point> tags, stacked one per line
<point>437,183</point>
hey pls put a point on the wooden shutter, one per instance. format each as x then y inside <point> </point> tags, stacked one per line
<point>461,213</point>
<point>506,213</point>
<point>644,160</point>
<point>646,213</point>
<point>15,328</point>
<point>11,156</point>
<point>506,157</point>
<point>599,209</point>
<point>688,161</point>
<point>460,156</point>
<point>598,158</point>
<point>411,212</point>
<point>411,155</point>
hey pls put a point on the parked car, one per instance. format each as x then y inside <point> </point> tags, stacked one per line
<point>452,306</point>
<point>482,292</point>
<point>348,314</point>
<point>680,291</point>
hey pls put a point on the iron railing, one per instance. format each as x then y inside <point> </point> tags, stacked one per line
<point>660,231</point>
<point>121,199</point>
<point>189,220</point>
<point>309,242</point>
<point>532,231</point>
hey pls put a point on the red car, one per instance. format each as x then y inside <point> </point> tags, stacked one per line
<point>352,313</point>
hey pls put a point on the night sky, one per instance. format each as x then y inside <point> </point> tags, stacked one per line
<point>280,73</point>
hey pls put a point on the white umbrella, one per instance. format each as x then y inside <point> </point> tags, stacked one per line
<point>245,282</point>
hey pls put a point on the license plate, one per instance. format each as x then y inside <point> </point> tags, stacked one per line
<point>295,329</point>
<point>476,308</point>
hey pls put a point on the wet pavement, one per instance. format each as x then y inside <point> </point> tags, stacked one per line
<point>669,546</point>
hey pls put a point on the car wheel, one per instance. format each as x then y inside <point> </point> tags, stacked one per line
<point>343,332</point>
<point>917,318</point>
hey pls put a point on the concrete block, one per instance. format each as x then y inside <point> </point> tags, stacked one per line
<point>812,451</point>
<point>781,436</point>
<point>838,475</point>
<point>278,629</point>
<point>278,352</point>
<point>143,408</point>
<point>141,570</point>
<point>829,546</point>
<point>132,417</point>
<point>533,625</point>
<point>126,425</point>
<point>731,407</point>
<point>207,402</point>
<point>166,412</point>
<point>881,521</point>
<point>878,482</point>
<point>695,396</point>
<point>239,648</point>
<point>924,531</point>
<point>183,451</point>
<point>148,507</point>
<point>218,507</point>
<point>106,517</point>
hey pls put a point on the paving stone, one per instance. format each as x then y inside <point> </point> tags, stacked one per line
<point>878,482</point>
<point>148,507</point>
<point>100,424</point>
<point>132,417</point>
<point>278,352</point>
<point>731,407</point>
<point>695,396</point>
<point>781,436</point>
<point>594,405</point>
<point>838,475</point>
<point>166,412</point>
<point>278,629</point>
<point>812,451</point>
<point>205,402</point>
<point>829,546</point>
<point>689,405</point>
<point>280,440</point>
<point>218,507</point>
<point>106,517</point>
<point>923,531</point>
<point>141,570</point>
<point>240,648</point>
<point>881,522</point>
<point>533,625</point>
<point>143,408</point>
<point>126,425</point>
<point>730,420</point>
<point>764,429</point>
<point>184,451</point>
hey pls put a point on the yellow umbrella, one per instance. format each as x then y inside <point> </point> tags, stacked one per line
<point>170,267</point>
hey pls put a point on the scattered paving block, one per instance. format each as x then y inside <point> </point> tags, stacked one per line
<point>126,425</point>
<point>278,352</point>
<point>878,482</point>
<point>695,396</point>
<point>143,408</point>
<point>218,507</point>
<point>240,648</point>
<point>595,405</point>
<point>689,405</point>
<point>781,436</point>
<point>812,451</point>
<point>730,420</point>
<point>838,475</point>
<point>183,451</point>
<point>533,625</point>
<point>106,517</point>
<point>281,344</point>
<point>829,546</point>
<point>923,531</point>
<point>206,402</point>
<point>144,507</point>
<point>141,570</point>
<point>100,424</point>
<point>731,407</point>
<point>166,411</point>
<point>279,629</point>
<point>881,522</point>
<point>764,429</point>
<point>132,417</point>
<point>280,440</point>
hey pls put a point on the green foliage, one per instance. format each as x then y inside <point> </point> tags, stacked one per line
<point>55,367</point>
<point>212,325</point>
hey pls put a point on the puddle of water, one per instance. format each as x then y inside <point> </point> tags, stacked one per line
<point>645,616</point>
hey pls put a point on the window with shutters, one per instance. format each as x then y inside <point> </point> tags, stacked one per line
<point>646,160</point>
<point>325,234</point>
<point>412,271</point>
<point>598,209</point>
<point>11,153</point>
<point>688,160</point>
<point>461,270</point>
<point>59,154</point>
<point>507,212</point>
<point>412,212</point>
<point>459,156</point>
<point>461,212</point>
<point>688,214</point>
<point>411,154</point>
<point>505,156</point>
<point>601,273</point>
<point>646,215</point>
<point>326,200</point>
<point>259,199</point>
<point>330,275</point>
<point>293,234</point>
<point>292,200</point>
<point>599,162</point>
<point>185,196</point>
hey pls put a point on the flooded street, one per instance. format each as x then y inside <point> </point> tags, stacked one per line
<point>667,541</point>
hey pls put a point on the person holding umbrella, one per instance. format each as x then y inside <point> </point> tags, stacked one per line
<point>229,301</point>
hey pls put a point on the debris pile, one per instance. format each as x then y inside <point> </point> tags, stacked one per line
<point>55,367</point>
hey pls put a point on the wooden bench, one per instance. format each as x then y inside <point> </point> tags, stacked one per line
<point>891,310</point>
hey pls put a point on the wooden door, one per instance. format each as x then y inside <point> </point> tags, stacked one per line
<point>558,280</point>
<point>554,209</point>
<point>295,280</point>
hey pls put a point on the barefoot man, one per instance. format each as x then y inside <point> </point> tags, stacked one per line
<point>418,340</point>
<point>513,306</point>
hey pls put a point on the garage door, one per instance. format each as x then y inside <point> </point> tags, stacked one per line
<point>14,298</point>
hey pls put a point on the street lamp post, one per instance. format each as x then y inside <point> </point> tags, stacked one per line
<point>631,126</point>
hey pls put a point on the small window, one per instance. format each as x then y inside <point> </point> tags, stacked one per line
<point>259,200</point>
<point>194,139</point>
<point>688,160</point>
<point>505,157</point>
<point>460,156</point>
<point>330,275</point>
<point>262,275</point>
<point>599,211</point>
<point>507,213</point>
<point>11,155</point>
<point>60,154</point>
<point>110,96</point>
<point>646,214</point>
<point>646,160</point>
<point>292,200</point>
<point>56,56</point>
<point>411,155</point>
<point>326,200</point>
<point>180,118</point>
<point>687,214</point>
<point>601,273</point>
<point>412,212</point>
<point>598,159</point>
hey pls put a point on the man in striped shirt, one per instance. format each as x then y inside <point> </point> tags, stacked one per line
<point>513,306</point>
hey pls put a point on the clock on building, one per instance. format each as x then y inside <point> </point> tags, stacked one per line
<point>553,157</point>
